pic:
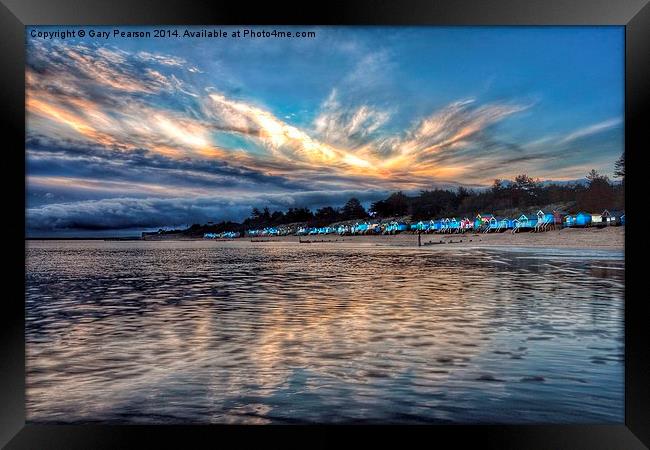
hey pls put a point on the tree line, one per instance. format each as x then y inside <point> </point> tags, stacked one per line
<point>596,193</point>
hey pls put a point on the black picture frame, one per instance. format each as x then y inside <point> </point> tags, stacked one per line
<point>634,15</point>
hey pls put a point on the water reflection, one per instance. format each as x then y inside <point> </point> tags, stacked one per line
<point>151,332</point>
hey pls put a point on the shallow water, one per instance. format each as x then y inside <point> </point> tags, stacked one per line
<point>240,332</point>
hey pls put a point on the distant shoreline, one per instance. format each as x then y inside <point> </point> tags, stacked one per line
<point>608,238</point>
<point>92,238</point>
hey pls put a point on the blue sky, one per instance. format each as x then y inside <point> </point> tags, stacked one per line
<point>128,134</point>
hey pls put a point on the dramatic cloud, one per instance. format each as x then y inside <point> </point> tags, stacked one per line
<point>152,212</point>
<point>144,134</point>
<point>348,126</point>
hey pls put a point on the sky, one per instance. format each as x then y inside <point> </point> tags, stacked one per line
<point>131,134</point>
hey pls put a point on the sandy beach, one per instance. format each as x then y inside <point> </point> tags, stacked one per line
<point>612,238</point>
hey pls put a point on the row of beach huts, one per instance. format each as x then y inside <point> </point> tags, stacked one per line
<point>483,223</point>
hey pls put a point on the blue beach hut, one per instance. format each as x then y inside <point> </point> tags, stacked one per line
<point>395,227</point>
<point>506,224</point>
<point>418,226</point>
<point>569,220</point>
<point>360,227</point>
<point>444,225</point>
<point>527,222</point>
<point>583,219</point>
<point>493,224</point>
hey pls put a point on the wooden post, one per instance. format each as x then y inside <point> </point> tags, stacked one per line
<point>419,238</point>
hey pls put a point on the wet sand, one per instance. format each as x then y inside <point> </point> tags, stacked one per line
<point>612,238</point>
<point>200,332</point>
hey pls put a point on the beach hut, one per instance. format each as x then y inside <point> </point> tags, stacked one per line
<point>394,227</point>
<point>581,219</point>
<point>481,221</point>
<point>454,225</point>
<point>374,228</point>
<point>505,224</point>
<point>492,225</point>
<point>466,224</point>
<point>569,220</point>
<point>444,225</point>
<point>360,228</point>
<point>547,218</point>
<point>545,221</point>
<point>527,222</point>
<point>558,217</point>
<point>515,225</point>
<point>613,218</point>
<point>418,226</point>
<point>597,220</point>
